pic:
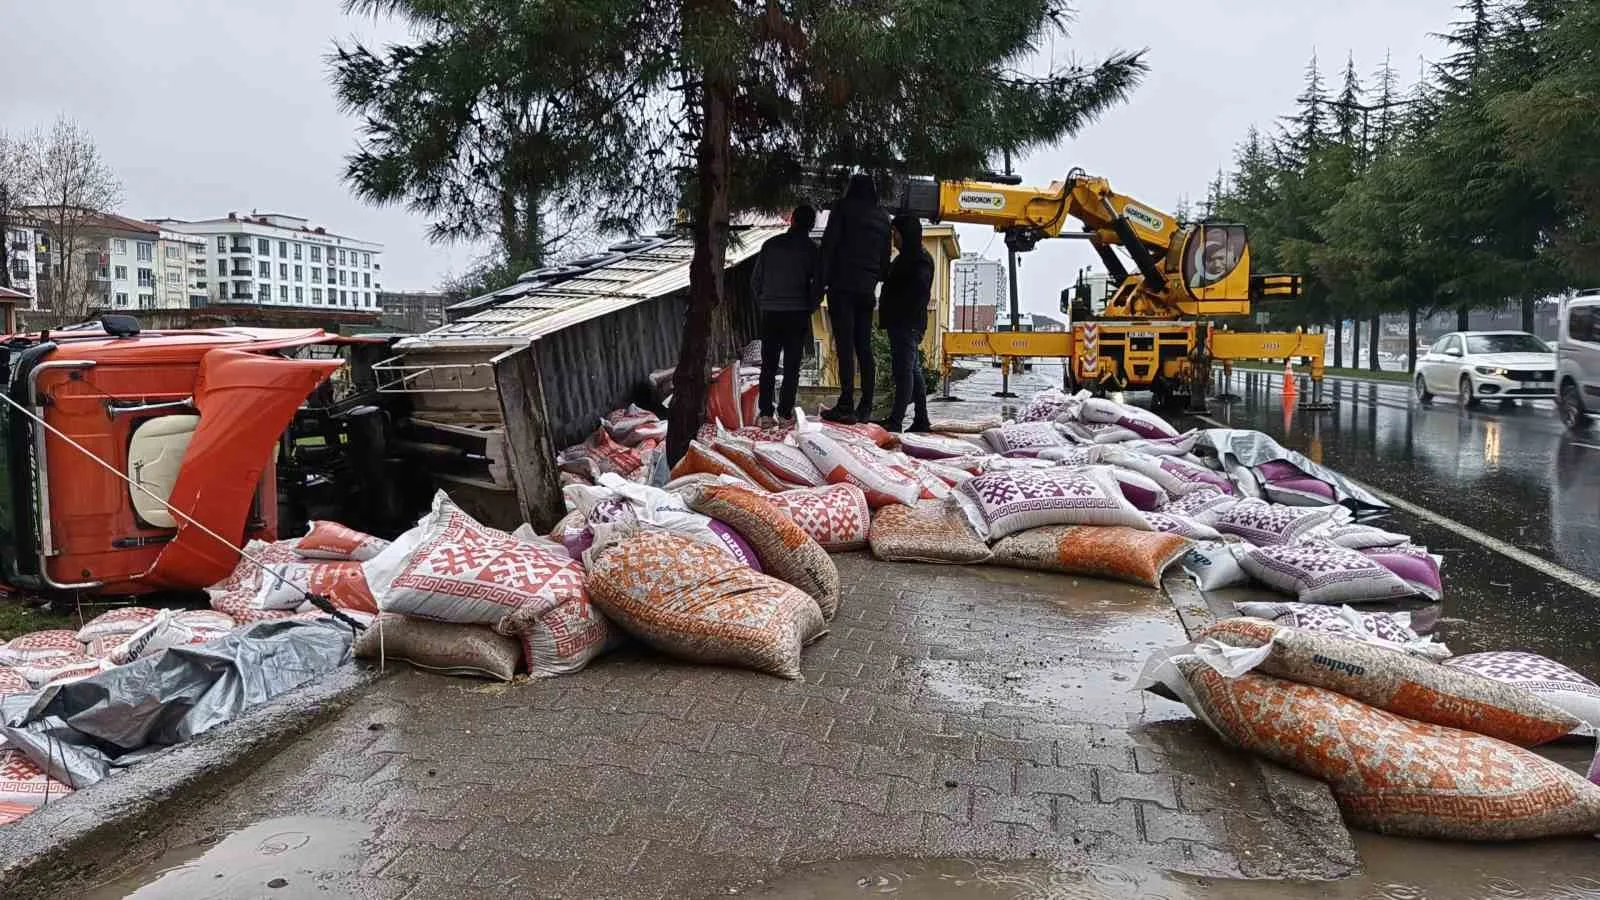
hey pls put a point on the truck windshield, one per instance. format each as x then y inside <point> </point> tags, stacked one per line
<point>1505,343</point>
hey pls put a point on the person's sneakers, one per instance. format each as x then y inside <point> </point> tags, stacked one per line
<point>920,426</point>
<point>838,417</point>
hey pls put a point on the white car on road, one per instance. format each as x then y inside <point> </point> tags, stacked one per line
<point>1487,365</point>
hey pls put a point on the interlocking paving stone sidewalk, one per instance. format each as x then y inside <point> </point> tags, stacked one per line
<point>975,712</point>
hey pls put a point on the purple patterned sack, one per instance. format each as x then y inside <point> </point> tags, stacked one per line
<point>1181,525</point>
<point>1098,433</point>
<point>1555,683</point>
<point>1142,422</point>
<point>1072,455</point>
<point>1144,493</point>
<point>1323,573</point>
<point>1046,406</point>
<point>1414,565</point>
<point>1377,627</point>
<point>1304,491</point>
<point>936,446</point>
<point>1013,500</point>
<point>1023,436</point>
<point>1265,524</point>
<point>1360,537</point>
<point>1205,506</point>
<point>1278,470</point>
<point>1175,476</point>
<point>1182,445</point>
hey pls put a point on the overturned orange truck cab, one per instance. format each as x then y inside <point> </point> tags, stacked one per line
<point>217,427</point>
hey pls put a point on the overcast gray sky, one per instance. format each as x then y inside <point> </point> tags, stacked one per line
<point>205,108</point>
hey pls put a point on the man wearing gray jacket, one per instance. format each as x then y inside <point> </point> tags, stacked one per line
<point>782,284</point>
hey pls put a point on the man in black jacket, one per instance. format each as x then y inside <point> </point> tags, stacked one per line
<point>855,257</point>
<point>782,283</point>
<point>903,313</point>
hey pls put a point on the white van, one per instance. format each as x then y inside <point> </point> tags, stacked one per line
<point>1578,361</point>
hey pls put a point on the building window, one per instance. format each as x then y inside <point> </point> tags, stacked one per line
<point>264,269</point>
<point>316,276</point>
<point>299,273</point>
<point>341,276</point>
<point>316,253</point>
<point>122,299</point>
<point>316,293</point>
<point>120,247</point>
<point>263,293</point>
<point>341,258</point>
<point>366,260</point>
<point>283,292</point>
<point>283,249</point>
<point>366,279</point>
<point>263,247</point>
<point>369,299</point>
<point>173,251</point>
<point>222,243</point>
<point>172,279</point>
<point>299,295</point>
<point>283,271</point>
<point>120,273</point>
<point>222,267</point>
<point>145,251</point>
<point>147,301</point>
<point>147,278</point>
<point>297,251</point>
<point>330,278</point>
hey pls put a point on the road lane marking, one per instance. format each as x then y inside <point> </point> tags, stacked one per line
<point>1538,563</point>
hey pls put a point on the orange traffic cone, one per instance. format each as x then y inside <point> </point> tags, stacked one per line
<point>1289,388</point>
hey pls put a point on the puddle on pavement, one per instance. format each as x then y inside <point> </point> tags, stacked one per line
<point>1394,870</point>
<point>278,858</point>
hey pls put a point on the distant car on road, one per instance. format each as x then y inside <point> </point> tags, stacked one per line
<point>1478,365</point>
<point>1578,361</point>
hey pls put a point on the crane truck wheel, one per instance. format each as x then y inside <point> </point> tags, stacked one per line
<point>1424,396</point>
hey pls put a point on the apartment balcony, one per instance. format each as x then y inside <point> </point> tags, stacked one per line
<point>245,272</point>
<point>245,295</point>
<point>244,249</point>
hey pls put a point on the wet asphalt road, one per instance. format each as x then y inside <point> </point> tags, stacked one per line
<point>1513,473</point>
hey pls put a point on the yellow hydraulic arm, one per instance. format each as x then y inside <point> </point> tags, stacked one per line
<point>1198,270</point>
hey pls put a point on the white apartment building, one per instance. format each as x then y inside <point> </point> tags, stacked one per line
<point>269,258</point>
<point>114,259</point>
<point>182,277</point>
<point>977,281</point>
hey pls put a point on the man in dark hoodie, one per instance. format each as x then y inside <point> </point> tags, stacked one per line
<point>782,283</point>
<point>903,313</point>
<point>855,257</point>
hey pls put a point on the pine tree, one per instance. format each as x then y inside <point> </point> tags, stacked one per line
<point>1305,132</point>
<point>1350,115</point>
<point>1386,121</point>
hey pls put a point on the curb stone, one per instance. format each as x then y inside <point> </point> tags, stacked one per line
<point>129,804</point>
<point>1326,849</point>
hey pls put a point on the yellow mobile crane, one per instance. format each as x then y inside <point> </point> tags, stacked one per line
<point>1153,332</point>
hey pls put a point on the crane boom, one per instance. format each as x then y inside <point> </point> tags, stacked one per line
<point>1182,271</point>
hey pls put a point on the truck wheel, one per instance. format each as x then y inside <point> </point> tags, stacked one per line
<point>1571,407</point>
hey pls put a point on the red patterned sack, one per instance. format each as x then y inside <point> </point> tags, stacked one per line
<point>24,787</point>
<point>40,645</point>
<point>330,540</point>
<point>742,453</point>
<point>789,464</point>
<point>236,595</point>
<point>836,516</point>
<point>450,568</point>
<point>12,682</point>
<point>121,621</point>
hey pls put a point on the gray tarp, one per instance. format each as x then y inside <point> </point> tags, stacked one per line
<point>1242,447</point>
<point>81,732</point>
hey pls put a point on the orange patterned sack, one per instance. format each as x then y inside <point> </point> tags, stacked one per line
<point>786,551</point>
<point>742,453</point>
<point>693,601</point>
<point>330,540</point>
<point>1099,551</point>
<point>837,516</point>
<point>1389,774</point>
<point>701,459</point>
<point>1398,682</point>
<point>935,531</point>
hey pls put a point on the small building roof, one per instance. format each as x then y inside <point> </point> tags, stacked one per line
<point>9,295</point>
